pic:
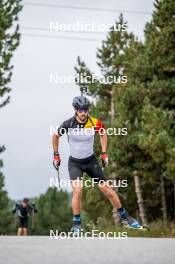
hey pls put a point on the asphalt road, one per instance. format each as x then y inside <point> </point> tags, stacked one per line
<point>42,249</point>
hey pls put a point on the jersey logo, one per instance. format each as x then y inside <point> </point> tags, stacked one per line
<point>94,122</point>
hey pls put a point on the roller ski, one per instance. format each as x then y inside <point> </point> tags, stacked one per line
<point>130,222</point>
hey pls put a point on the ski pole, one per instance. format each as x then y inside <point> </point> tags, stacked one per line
<point>33,218</point>
<point>58,175</point>
<point>15,219</point>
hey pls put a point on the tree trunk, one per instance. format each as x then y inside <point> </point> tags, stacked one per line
<point>139,198</point>
<point>174,197</point>
<point>163,200</point>
<point>112,110</point>
<point>113,165</point>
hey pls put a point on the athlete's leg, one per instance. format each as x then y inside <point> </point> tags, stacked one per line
<point>76,197</point>
<point>96,173</point>
<point>76,205</point>
<point>25,231</point>
<point>110,194</point>
<point>20,231</point>
<point>20,228</point>
<point>75,173</point>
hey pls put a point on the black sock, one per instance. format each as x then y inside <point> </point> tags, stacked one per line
<point>121,210</point>
<point>78,215</point>
<point>77,219</point>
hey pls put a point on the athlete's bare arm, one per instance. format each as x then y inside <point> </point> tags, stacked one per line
<point>55,142</point>
<point>103,141</point>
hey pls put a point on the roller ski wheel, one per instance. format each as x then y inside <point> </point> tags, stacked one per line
<point>141,227</point>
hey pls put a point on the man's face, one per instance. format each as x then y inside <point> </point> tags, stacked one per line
<point>24,204</point>
<point>82,113</point>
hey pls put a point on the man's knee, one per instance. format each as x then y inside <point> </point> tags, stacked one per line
<point>77,192</point>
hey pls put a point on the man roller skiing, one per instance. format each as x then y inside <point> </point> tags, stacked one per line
<point>23,210</point>
<point>82,159</point>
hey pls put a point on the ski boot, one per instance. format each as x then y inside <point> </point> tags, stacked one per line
<point>130,222</point>
<point>76,228</point>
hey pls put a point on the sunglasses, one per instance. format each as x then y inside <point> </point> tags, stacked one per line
<point>81,110</point>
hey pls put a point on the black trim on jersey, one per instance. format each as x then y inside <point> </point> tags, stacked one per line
<point>65,126</point>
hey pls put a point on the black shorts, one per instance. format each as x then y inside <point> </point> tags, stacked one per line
<point>89,165</point>
<point>23,222</point>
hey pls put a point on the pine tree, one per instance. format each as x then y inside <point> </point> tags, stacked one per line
<point>5,204</point>
<point>9,40</point>
<point>53,212</point>
<point>160,85</point>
